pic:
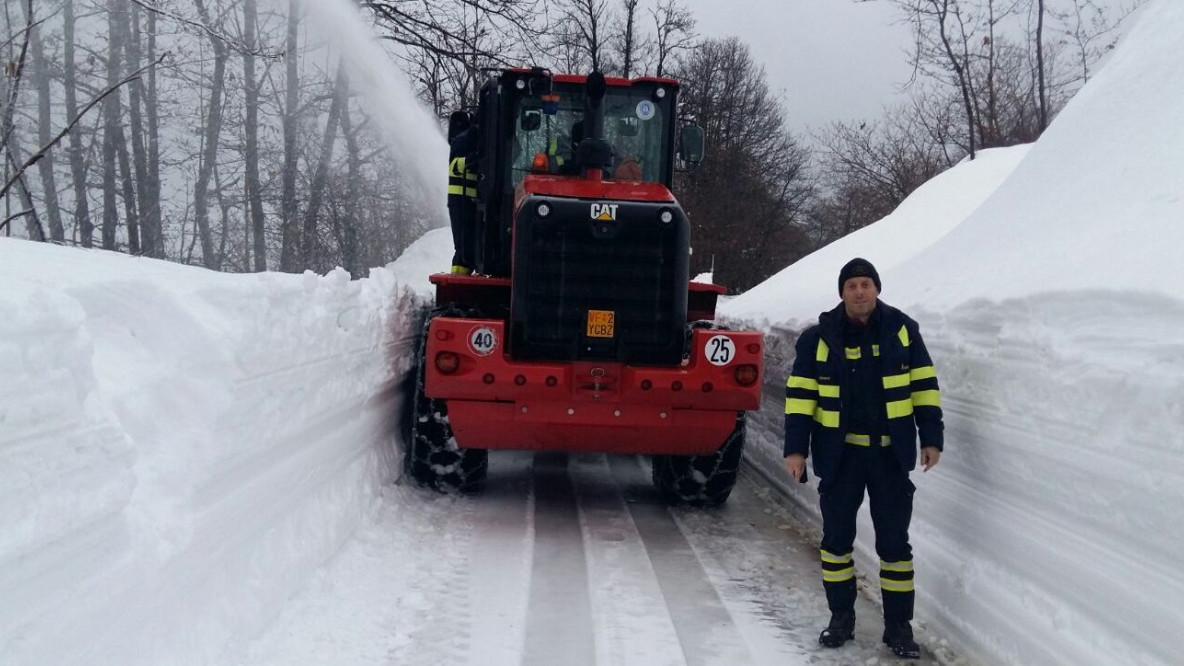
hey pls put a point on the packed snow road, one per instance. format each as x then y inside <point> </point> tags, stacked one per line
<point>567,560</point>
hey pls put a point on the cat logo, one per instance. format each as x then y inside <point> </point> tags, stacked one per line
<point>602,212</point>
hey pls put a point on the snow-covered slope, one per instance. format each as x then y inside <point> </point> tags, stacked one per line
<point>1050,532</point>
<point>180,449</point>
<point>800,291</point>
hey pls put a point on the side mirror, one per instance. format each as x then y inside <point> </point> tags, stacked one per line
<point>691,144</point>
<point>530,119</point>
<point>458,122</point>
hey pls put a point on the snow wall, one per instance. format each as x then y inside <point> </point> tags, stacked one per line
<point>1046,283</point>
<point>181,449</point>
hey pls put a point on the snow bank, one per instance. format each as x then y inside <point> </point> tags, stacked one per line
<point>180,449</point>
<point>800,291</point>
<point>1051,529</point>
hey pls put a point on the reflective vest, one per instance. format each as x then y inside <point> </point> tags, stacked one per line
<point>462,180</point>
<point>462,176</point>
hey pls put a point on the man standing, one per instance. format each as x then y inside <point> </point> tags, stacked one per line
<point>861,389</point>
<point>462,192</point>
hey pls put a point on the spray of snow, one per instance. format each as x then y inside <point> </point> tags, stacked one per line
<point>409,130</point>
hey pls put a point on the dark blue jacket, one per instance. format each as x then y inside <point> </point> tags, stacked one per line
<point>815,411</point>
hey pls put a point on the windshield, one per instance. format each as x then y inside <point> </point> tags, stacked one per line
<point>634,123</point>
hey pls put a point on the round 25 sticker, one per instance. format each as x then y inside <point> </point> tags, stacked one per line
<point>483,340</point>
<point>720,350</point>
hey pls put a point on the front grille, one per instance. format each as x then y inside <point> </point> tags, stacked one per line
<point>568,265</point>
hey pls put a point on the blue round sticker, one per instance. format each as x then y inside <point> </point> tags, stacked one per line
<point>646,109</point>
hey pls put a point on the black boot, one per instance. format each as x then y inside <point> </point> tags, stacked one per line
<point>840,630</point>
<point>899,637</point>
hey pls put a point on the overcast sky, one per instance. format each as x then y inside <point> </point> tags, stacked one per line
<point>828,59</point>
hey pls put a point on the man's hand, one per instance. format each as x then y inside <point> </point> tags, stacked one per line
<point>929,457</point>
<point>796,464</point>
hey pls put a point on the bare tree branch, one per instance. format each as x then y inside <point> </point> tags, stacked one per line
<point>35,157</point>
<point>234,45</point>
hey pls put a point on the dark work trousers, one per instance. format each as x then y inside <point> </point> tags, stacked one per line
<point>462,213</point>
<point>875,469</point>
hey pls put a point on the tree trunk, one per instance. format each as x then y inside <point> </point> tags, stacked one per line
<point>290,231</point>
<point>82,221</point>
<point>45,133</point>
<point>308,235</point>
<point>147,239</point>
<point>129,195</point>
<point>629,38</point>
<point>153,216</point>
<point>942,12</point>
<point>251,91</point>
<point>1040,84</point>
<point>111,114</point>
<point>349,236</point>
<point>210,135</point>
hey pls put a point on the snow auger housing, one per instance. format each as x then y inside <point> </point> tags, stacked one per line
<point>580,330</point>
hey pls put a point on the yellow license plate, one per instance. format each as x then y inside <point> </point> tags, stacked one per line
<point>600,323</point>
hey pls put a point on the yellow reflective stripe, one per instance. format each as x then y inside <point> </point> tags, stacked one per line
<point>899,408</point>
<point>927,398</point>
<point>802,382</point>
<point>458,169</point>
<point>875,350</point>
<point>903,334</point>
<point>896,381</point>
<point>865,440</point>
<point>457,189</point>
<point>831,558</point>
<point>828,390</point>
<point>853,353</point>
<point>858,440</point>
<point>828,418</point>
<point>906,565</point>
<point>822,353</point>
<point>896,585</point>
<point>471,192</point>
<point>917,374</point>
<point>800,406</point>
<point>838,576</point>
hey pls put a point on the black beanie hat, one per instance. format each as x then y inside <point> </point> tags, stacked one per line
<point>858,267</point>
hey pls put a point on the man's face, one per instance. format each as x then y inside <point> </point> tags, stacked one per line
<point>859,297</point>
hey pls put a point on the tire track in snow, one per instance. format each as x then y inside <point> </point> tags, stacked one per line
<point>630,615</point>
<point>705,628</point>
<point>559,628</point>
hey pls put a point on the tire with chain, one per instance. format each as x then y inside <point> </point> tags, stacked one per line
<point>433,457</point>
<point>705,480</point>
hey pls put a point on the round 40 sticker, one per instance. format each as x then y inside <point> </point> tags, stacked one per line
<point>720,350</point>
<point>483,340</point>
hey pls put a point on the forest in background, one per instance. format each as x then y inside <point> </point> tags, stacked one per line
<point>227,133</point>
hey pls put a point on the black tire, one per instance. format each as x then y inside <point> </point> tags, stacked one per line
<point>701,480</point>
<point>433,458</point>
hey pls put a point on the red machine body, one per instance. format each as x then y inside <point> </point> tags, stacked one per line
<point>495,402</point>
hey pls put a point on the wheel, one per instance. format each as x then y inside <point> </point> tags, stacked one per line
<point>701,480</point>
<point>433,458</point>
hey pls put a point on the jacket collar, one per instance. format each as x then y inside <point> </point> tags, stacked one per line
<point>830,323</point>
